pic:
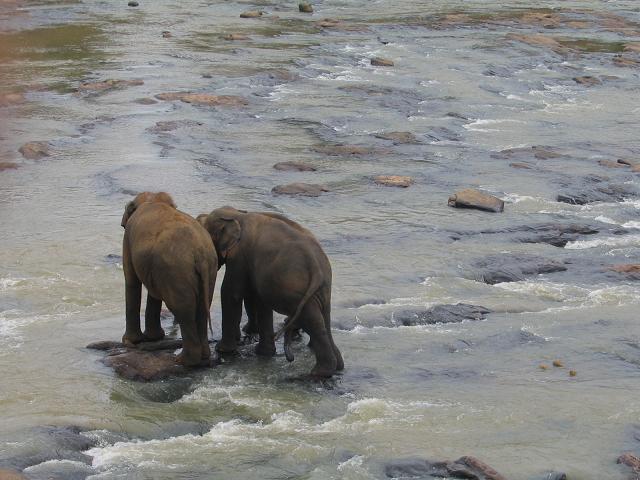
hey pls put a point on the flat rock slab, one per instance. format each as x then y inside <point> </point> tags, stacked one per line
<point>539,152</point>
<point>205,99</point>
<point>294,167</point>
<point>465,467</point>
<point>303,189</point>
<point>394,180</point>
<point>587,81</point>
<point>145,366</point>
<point>443,314</point>
<point>381,62</point>
<point>170,125</point>
<point>251,14</point>
<point>108,85</point>
<point>601,193</point>
<point>8,166</point>
<point>398,137</point>
<point>145,101</point>
<point>513,268</point>
<point>471,198</point>
<point>629,270</point>
<point>35,150</point>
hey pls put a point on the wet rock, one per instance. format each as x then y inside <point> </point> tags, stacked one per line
<point>166,34</point>
<point>144,366</point>
<point>8,166</point>
<point>6,474</point>
<point>471,198</point>
<point>630,460</point>
<point>621,61</point>
<point>464,467</point>
<point>170,125</point>
<point>305,7</point>
<point>602,193</point>
<point>236,36</point>
<point>294,167</point>
<point>35,150</point>
<point>133,3</point>
<point>381,62</point>
<point>398,137</point>
<point>251,14</point>
<point>204,99</point>
<point>610,164</point>
<point>50,443</point>
<point>145,101</point>
<point>513,268</point>
<point>538,152</point>
<point>394,180</point>
<point>303,189</point>
<point>105,345</point>
<point>333,24</point>
<point>440,134</point>
<point>111,346</point>
<point>520,165</point>
<point>345,150</point>
<point>587,81</point>
<point>630,270</point>
<point>538,40</point>
<point>442,314</point>
<point>108,85</point>
<point>7,99</point>
<point>627,162</point>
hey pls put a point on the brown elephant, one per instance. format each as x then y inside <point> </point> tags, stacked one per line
<point>173,256</point>
<point>273,264</point>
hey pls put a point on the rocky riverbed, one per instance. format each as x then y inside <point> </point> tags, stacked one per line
<point>504,337</point>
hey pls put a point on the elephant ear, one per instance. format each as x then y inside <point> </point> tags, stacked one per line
<point>228,235</point>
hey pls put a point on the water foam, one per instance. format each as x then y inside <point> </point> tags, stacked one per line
<point>617,241</point>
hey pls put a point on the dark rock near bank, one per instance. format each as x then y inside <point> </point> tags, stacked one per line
<point>513,268</point>
<point>442,314</point>
<point>471,198</point>
<point>133,3</point>
<point>294,167</point>
<point>464,467</point>
<point>303,189</point>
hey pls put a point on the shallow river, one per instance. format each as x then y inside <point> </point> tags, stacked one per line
<point>470,80</point>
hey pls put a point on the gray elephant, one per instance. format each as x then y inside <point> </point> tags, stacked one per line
<point>173,256</point>
<point>273,264</point>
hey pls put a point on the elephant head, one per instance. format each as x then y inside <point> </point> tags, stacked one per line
<point>223,224</point>
<point>160,197</point>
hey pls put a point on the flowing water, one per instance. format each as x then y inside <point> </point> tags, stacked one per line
<point>467,88</point>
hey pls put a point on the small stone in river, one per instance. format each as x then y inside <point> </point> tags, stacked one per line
<point>381,62</point>
<point>294,167</point>
<point>587,80</point>
<point>34,150</point>
<point>394,180</point>
<point>520,165</point>
<point>558,363</point>
<point>236,36</point>
<point>572,373</point>
<point>610,164</point>
<point>627,162</point>
<point>543,367</point>
<point>304,189</point>
<point>398,137</point>
<point>8,166</point>
<point>166,34</point>
<point>471,198</point>
<point>145,101</point>
<point>7,99</point>
<point>251,14</point>
<point>305,7</point>
<point>133,3</point>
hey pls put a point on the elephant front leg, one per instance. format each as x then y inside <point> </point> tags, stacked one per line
<point>133,293</point>
<point>152,328</point>
<point>231,316</point>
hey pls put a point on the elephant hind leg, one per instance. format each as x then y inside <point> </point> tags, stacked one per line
<point>191,355</point>
<point>313,324</point>
<point>202,322</point>
<point>152,328</point>
<point>336,352</point>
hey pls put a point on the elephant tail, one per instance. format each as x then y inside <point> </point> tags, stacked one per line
<point>289,324</point>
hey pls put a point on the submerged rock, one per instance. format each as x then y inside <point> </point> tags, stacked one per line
<point>442,314</point>
<point>464,468</point>
<point>108,85</point>
<point>513,268</point>
<point>398,137</point>
<point>236,36</point>
<point>145,366</point>
<point>170,125</point>
<point>611,164</point>
<point>539,152</point>
<point>304,189</point>
<point>394,180</point>
<point>133,3</point>
<point>601,193</point>
<point>587,81</point>
<point>166,34</point>
<point>8,166</point>
<point>294,167</point>
<point>630,460</point>
<point>471,198</point>
<point>630,270</point>
<point>146,101</point>
<point>205,99</point>
<point>7,99</point>
<point>35,150</point>
<point>344,150</point>
<point>381,62</point>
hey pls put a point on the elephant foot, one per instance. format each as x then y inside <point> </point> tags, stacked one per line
<point>131,339</point>
<point>249,339</point>
<point>266,349</point>
<point>296,335</point>
<point>190,361</point>
<point>322,371</point>
<point>226,347</point>
<point>153,335</point>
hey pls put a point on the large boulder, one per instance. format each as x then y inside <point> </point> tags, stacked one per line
<point>501,268</point>
<point>464,468</point>
<point>472,198</point>
<point>442,314</point>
